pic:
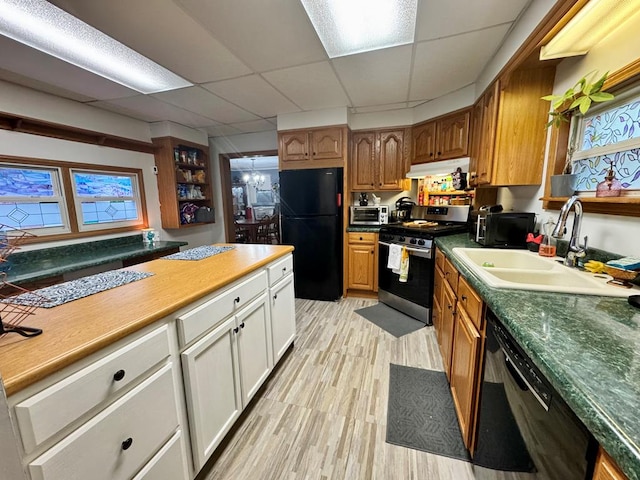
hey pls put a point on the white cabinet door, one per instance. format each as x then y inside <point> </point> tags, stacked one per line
<point>283,316</point>
<point>254,347</point>
<point>168,464</point>
<point>212,388</point>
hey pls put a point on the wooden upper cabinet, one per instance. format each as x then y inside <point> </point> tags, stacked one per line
<point>378,160</point>
<point>424,143</point>
<point>513,133</point>
<point>453,136</point>
<point>442,138</point>
<point>363,152</point>
<point>391,163</point>
<point>312,148</point>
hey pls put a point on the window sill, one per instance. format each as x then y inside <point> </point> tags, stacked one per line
<point>627,206</point>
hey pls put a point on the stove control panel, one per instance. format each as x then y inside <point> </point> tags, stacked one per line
<point>415,242</point>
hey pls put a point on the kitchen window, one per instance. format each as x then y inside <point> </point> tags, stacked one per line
<point>53,200</point>
<point>609,139</point>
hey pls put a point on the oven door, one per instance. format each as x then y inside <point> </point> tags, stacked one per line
<point>413,297</point>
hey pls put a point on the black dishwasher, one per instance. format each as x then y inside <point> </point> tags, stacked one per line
<point>524,426</point>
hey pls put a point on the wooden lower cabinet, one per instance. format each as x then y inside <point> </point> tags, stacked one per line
<point>458,318</point>
<point>606,468</point>
<point>362,262</point>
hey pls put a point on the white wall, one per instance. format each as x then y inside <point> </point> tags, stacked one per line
<point>609,232</point>
<point>23,101</point>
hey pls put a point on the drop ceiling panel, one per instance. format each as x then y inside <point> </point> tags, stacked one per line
<point>165,33</point>
<point>375,78</point>
<point>445,65</point>
<point>265,35</point>
<point>223,131</point>
<point>438,19</point>
<point>41,86</point>
<point>312,87</point>
<point>32,63</point>
<point>254,126</point>
<point>253,93</point>
<point>149,109</point>
<point>380,108</point>
<point>205,103</point>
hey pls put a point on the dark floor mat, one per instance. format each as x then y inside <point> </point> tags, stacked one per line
<point>500,445</point>
<point>420,413</point>
<point>390,319</point>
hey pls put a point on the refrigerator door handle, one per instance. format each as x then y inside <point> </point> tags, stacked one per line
<point>339,199</point>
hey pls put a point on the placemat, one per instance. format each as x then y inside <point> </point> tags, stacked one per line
<point>76,289</point>
<point>198,253</point>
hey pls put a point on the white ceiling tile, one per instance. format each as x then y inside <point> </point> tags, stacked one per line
<point>205,103</point>
<point>222,131</point>
<point>164,33</point>
<point>375,78</point>
<point>265,35</point>
<point>23,60</point>
<point>445,65</point>
<point>381,108</point>
<point>254,94</point>
<point>255,126</point>
<point>442,18</point>
<point>149,109</point>
<point>312,87</point>
<point>42,86</point>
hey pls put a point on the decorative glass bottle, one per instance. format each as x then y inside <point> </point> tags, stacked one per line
<point>610,186</point>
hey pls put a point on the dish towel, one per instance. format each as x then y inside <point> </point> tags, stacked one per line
<point>404,265</point>
<point>395,256</point>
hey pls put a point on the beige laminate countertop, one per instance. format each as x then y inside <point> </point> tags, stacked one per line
<point>79,328</point>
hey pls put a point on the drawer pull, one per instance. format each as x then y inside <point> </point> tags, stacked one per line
<point>275,297</point>
<point>284,269</point>
<point>127,443</point>
<point>242,325</point>
<point>236,330</point>
<point>449,307</point>
<point>119,375</point>
<point>464,298</point>
<point>446,274</point>
<point>236,300</point>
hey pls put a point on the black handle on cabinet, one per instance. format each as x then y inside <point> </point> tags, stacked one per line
<point>360,238</point>
<point>449,307</point>
<point>236,330</point>
<point>119,375</point>
<point>446,274</point>
<point>284,269</point>
<point>464,298</point>
<point>439,153</point>
<point>242,325</point>
<point>236,300</point>
<point>431,154</point>
<point>127,443</point>
<point>275,296</point>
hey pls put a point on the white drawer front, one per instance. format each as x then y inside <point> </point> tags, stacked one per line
<point>46,413</point>
<point>147,416</point>
<point>168,464</point>
<point>280,269</point>
<point>206,316</point>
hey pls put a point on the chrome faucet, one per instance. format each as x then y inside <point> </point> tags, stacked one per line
<point>576,250</point>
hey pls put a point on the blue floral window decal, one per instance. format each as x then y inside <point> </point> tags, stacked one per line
<point>626,166</point>
<point>612,126</point>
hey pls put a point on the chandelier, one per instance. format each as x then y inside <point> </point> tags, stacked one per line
<point>254,178</point>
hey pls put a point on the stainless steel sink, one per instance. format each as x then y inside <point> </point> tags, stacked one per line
<point>524,270</point>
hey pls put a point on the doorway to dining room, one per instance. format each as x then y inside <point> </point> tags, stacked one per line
<point>250,194</point>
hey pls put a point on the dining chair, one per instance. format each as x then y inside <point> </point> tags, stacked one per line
<point>241,233</point>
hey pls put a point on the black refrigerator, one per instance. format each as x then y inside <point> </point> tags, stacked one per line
<point>311,209</point>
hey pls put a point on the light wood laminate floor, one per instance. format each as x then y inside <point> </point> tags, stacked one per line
<point>322,414</point>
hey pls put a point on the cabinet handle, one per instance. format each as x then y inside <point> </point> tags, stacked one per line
<point>449,307</point>
<point>119,375</point>
<point>127,443</point>
<point>284,269</point>
<point>236,300</point>
<point>439,153</point>
<point>464,298</point>
<point>242,325</point>
<point>360,238</point>
<point>236,330</point>
<point>446,274</point>
<point>275,297</point>
<point>431,154</point>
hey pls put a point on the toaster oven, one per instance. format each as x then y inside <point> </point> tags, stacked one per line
<point>369,215</point>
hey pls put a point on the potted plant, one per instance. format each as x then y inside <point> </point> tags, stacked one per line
<point>578,98</point>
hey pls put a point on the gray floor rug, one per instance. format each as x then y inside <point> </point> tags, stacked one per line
<point>390,319</point>
<point>421,415</point>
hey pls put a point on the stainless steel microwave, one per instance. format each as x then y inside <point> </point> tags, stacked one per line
<point>369,215</point>
<point>502,229</point>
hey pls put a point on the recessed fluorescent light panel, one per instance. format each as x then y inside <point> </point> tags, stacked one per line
<point>45,27</point>
<point>589,26</point>
<point>346,27</point>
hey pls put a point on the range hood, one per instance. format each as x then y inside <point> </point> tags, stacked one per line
<point>438,168</point>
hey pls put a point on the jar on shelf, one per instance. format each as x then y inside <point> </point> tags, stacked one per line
<point>610,186</point>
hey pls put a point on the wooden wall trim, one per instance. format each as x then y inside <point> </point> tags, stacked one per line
<point>33,126</point>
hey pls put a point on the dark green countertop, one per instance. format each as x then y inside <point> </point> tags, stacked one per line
<point>587,346</point>
<point>363,228</point>
<point>50,262</point>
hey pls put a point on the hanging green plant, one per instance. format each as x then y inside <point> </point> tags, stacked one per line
<point>581,96</point>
